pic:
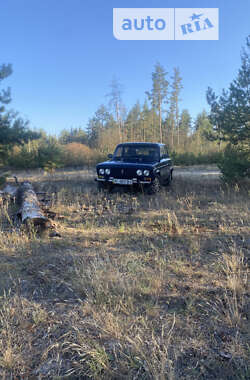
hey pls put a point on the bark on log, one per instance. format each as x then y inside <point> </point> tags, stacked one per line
<point>29,206</point>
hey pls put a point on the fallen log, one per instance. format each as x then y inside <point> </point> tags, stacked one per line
<point>30,210</point>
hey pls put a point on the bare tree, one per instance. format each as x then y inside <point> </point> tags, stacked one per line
<point>115,102</point>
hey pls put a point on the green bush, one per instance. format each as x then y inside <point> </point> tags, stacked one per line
<point>235,163</point>
<point>36,154</point>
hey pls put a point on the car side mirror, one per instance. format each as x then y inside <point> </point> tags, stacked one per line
<point>110,155</point>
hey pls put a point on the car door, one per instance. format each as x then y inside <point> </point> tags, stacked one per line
<point>165,163</point>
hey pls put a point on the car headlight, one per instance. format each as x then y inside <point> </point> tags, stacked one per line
<point>139,172</point>
<point>146,173</point>
<point>107,171</point>
<point>101,171</point>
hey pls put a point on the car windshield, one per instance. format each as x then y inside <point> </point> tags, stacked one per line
<point>136,153</point>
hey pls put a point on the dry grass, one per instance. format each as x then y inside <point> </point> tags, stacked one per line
<point>136,287</point>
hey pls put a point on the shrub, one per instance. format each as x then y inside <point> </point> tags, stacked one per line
<point>235,163</point>
<point>36,154</point>
<point>76,154</point>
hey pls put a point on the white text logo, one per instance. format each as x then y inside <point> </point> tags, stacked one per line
<point>166,23</point>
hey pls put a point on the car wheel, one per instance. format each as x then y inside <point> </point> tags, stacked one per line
<point>104,186</point>
<point>101,186</point>
<point>169,179</point>
<point>154,187</point>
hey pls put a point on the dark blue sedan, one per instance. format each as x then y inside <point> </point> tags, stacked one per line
<point>144,165</point>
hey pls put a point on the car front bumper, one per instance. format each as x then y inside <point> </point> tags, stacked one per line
<point>124,182</point>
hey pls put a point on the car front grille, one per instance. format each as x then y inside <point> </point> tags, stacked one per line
<point>123,173</point>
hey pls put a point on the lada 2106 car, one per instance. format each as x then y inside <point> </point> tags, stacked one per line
<point>144,165</point>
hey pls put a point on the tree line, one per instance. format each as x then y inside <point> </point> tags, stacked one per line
<point>159,118</point>
<point>210,138</point>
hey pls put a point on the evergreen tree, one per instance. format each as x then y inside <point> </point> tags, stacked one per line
<point>145,122</point>
<point>13,129</point>
<point>230,113</point>
<point>133,123</point>
<point>158,94</point>
<point>170,122</point>
<point>230,118</point>
<point>202,128</point>
<point>185,126</point>
<point>174,104</point>
<point>77,135</point>
<point>5,96</point>
<point>98,124</point>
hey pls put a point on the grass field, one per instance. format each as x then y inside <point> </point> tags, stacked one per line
<point>135,286</point>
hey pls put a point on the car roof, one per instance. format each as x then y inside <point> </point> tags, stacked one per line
<point>141,143</point>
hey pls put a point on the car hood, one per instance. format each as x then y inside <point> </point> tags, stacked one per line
<point>118,164</point>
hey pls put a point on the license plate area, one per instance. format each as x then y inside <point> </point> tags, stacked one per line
<point>122,181</point>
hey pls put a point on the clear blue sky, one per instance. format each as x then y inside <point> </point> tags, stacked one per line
<point>64,56</point>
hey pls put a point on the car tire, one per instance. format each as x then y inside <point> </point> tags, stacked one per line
<point>104,187</point>
<point>154,187</point>
<point>169,179</point>
<point>101,186</point>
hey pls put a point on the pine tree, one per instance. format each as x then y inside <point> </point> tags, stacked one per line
<point>185,126</point>
<point>133,123</point>
<point>5,96</point>
<point>13,129</point>
<point>98,125</point>
<point>77,135</point>
<point>230,113</point>
<point>202,128</point>
<point>158,94</point>
<point>174,104</point>
<point>170,121</point>
<point>230,118</point>
<point>145,121</point>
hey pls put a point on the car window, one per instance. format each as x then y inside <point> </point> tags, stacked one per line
<point>129,151</point>
<point>164,151</point>
<point>118,153</point>
<point>137,153</point>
